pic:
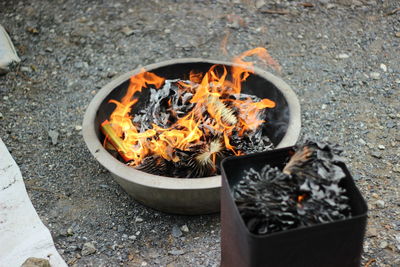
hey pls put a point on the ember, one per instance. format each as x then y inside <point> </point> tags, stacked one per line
<point>188,126</point>
<point>305,193</point>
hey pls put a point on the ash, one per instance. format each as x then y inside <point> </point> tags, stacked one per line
<point>305,193</point>
<point>165,106</point>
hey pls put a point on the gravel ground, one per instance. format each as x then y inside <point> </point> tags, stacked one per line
<point>340,57</point>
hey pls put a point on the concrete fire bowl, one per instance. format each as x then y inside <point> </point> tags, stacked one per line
<point>186,195</point>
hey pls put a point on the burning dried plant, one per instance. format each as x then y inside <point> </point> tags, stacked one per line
<point>187,126</point>
<point>306,192</point>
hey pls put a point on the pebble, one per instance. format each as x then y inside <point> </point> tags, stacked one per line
<point>26,69</point>
<point>127,30</point>
<point>176,252</point>
<point>381,147</point>
<point>185,228</point>
<point>81,65</point>
<point>36,262</point>
<point>167,31</point>
<point>377,155</point>
<point>380,204</point>
<point>1,115</point>
<point>383,67</point>
<point>396,168</point>
<point>78,127</point>
<point>375,75</point>
<point>397,238</point>
<point>397,34</point>
<point>88,249</point>
<point>176,232</point>
<point>371,232</point>
<point>383,244</point>
<point>143,263</point>
<point>138,220</point>
<point>70,232</point>
<point>342,56</point>
<point>362,142</point>
<point>260,3</point>
<point>132,237</point>
<point>111,74</point>
<point>53,136</point>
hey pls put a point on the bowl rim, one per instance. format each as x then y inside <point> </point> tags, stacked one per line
<point>162,182</point>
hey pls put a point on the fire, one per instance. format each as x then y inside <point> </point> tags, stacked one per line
<point>215,115</point>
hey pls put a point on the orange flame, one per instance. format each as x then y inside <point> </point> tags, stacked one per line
<point>211,93</point>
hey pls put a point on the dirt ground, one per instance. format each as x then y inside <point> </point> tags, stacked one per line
<point>341,57</point>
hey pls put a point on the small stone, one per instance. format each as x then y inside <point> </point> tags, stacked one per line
<point>396,168</point>
<point>260,3</point>
<point>383,244</point>
<point>36,262</point>
<point>48,49</point>
<point>176,252</point>
<point>234,25</point>
<point>176,232</point>
<point>377,155</point>
<point>381,147</point>
<point>70,232</point>
<point>380,204</point>
<point>88,249</point>
<point>143,263</point>
<point>397,34</point>
<point>330,6</point>
<point>397,238</point>
<point>1,115</point>
<point>53,136</point>
<point>167,31</point>
<point>362,142</point>
<point>342,56</point>
<point>375,75</point>
<point>375,195</point>
<point>323,106</point>
<point>383,67</point>
<point>78,127</point>
<point>26,69</point>
<point>371,232</point>
<point>132,237</point>
<point>138,220</point>
<point>127,31</point>
<point>185,228</point>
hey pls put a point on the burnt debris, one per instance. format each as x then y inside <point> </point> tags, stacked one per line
<point>172,102</point>
<point>306,192</point>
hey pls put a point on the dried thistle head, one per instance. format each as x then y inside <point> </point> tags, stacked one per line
<point>204,163</point>
<point>217,108</point>
<point>301,157</point>
<point>152,164</point>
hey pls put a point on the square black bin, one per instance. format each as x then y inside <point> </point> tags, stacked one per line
<point>337,243</point>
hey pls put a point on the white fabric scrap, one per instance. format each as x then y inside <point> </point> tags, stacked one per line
<point>22,233</point>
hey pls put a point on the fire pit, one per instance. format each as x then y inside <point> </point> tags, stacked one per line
<point>186,195</point>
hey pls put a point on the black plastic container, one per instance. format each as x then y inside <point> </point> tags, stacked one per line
<point>337,243</point>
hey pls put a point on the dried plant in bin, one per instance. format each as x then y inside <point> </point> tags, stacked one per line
<point>304,193</point>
